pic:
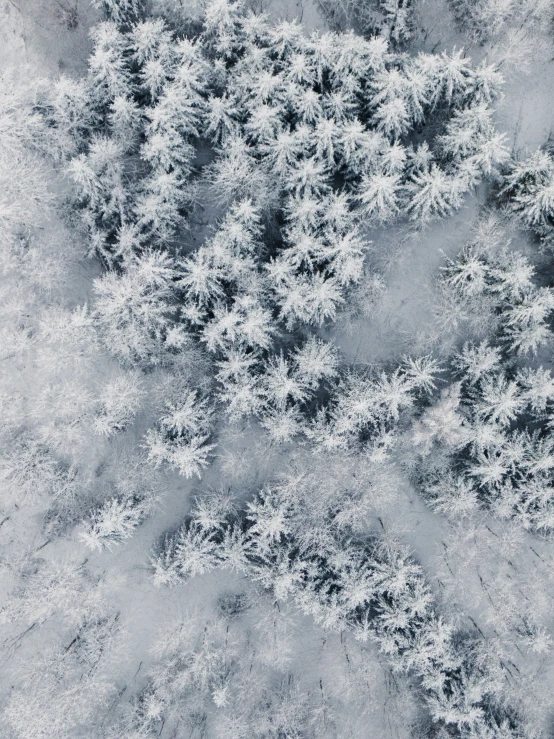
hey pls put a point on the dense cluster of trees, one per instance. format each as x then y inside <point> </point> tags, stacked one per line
<point>298,545</point>
<point>309,138</point>
<point>313,134</point>
<point>291,149</point>
<point>393,19</point>
<point>488,439</point>
<point>219,676</point>
<point>515,33</point>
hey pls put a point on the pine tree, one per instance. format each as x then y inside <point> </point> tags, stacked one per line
<point>100,180</point>
<point>501,400</point>
<point>283,424</point>
<point>120,11</point>
<point>109,72</point>
<point>379,196</point>
<point>246,324</point>
<point>113,522</point>
<point>281,383</point>
<point>201,278</point>
<point>242,395</point>
<point>71,113</point>
<point>181,436</point>
<point>125,122</point>
<point>477,362</point>
<point>212,511</point>
<point>538,386</point>
<point>322,298</point>
<point>441,423</point>
<point>316,361</point>
<point>119,401</point>
<point>189,456</point>
<point>135,309</point>
<point>528,187</point>
<point>29,471</point>
<point>470,134</point>
<point>432,194</point>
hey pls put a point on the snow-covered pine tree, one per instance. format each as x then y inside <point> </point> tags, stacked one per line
<point>109,72</point>
<point>113,522</point>
<point>119,401</point>
<point>72,115</point>
<point>120,11</point>
<point>528,190</point>
<point>102,193</point>
<point>29,471</point>
<point>136,309</point>
<point>316,361</point>
<point>182,435</point>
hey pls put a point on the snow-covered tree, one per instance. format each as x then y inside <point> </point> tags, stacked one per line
<point>282,384</point>
<point>113,522</point>
<point>72,114</point>
<point>379,196</point>
<point>110,76</point>
<point>29,471</point>
<point>182,435</point>
<point>192,551</point>
<point>136,309</point>
<point>433,194</point>
<point>119,401</point>
<point>528,187</point>
<point>120,11</point>
<point>316,361</point>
